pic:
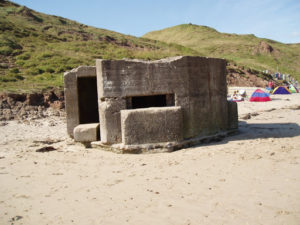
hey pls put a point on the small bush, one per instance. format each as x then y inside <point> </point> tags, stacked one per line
<point>41,70</point>
<point>6,50</point>
<point>3,65</point>
<point>10,10</point>
<point>9,42</point>
<point>19,77</point>
<point>29,64</point>
<point>20,9</point>
<point>47,69</point>
<point>62,21</point>
<point>14,70</point>
<point>35,71</point>
<point>40,78</point>
<point>7,79</point>
<point>50,70</point>
<point>47,55</point>
<point>24,56</point>
<point>60,69</point>
<point>69,67</point>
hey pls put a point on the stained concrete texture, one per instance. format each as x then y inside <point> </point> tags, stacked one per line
<point>151,125</point>
<point>87,132</point>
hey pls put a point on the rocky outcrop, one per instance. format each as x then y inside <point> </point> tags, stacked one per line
<point>263,48</point>
<point>241,77</point>
<point>35,105</point>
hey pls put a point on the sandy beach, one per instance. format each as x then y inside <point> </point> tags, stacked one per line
<point>252,177</point>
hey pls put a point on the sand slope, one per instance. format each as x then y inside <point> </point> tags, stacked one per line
<point>249,178</point>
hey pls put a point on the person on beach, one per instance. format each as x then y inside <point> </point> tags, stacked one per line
<point>270,84</point>
<point>236,96</point>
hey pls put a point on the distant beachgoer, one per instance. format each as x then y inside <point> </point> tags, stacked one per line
<point>270,84</point>
<point>242,93</point>
<point>234,96</point>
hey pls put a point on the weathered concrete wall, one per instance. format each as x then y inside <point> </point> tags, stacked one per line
<point>233,122</point>
<point>199,85</point>
<point>110,124</point>
<point>71,94</point>
<point>151,125</point>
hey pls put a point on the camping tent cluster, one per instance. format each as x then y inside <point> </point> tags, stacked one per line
<point>260,96</point>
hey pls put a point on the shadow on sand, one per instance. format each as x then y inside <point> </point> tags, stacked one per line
<point>248,131</point>
<point>266,130</point>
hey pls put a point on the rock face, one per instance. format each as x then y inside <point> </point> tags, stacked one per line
<point>191,90</point>
<point>263,48</point>
<point>241,77</point>
<point>22,106</point>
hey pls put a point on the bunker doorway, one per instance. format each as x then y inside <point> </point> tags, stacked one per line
<point>87,100</point>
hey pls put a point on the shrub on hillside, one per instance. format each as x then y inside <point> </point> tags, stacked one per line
<point>24,56</point>
<point>6,50</point>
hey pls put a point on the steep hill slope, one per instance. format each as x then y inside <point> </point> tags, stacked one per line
<point>244,50</point>
<point>35,48</point>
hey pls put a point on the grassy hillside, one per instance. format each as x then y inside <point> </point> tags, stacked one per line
<point>244,50</point>
<point>35,48</point>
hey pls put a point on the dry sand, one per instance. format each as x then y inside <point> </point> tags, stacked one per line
<point>250,178</point>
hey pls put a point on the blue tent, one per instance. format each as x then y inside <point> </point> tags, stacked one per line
<point>281,91</point>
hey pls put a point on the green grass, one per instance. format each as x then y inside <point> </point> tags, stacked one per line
<point>36,49</point>
<point>242,49</point>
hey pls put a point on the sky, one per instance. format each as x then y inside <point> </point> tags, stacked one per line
<point>274,19</point>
